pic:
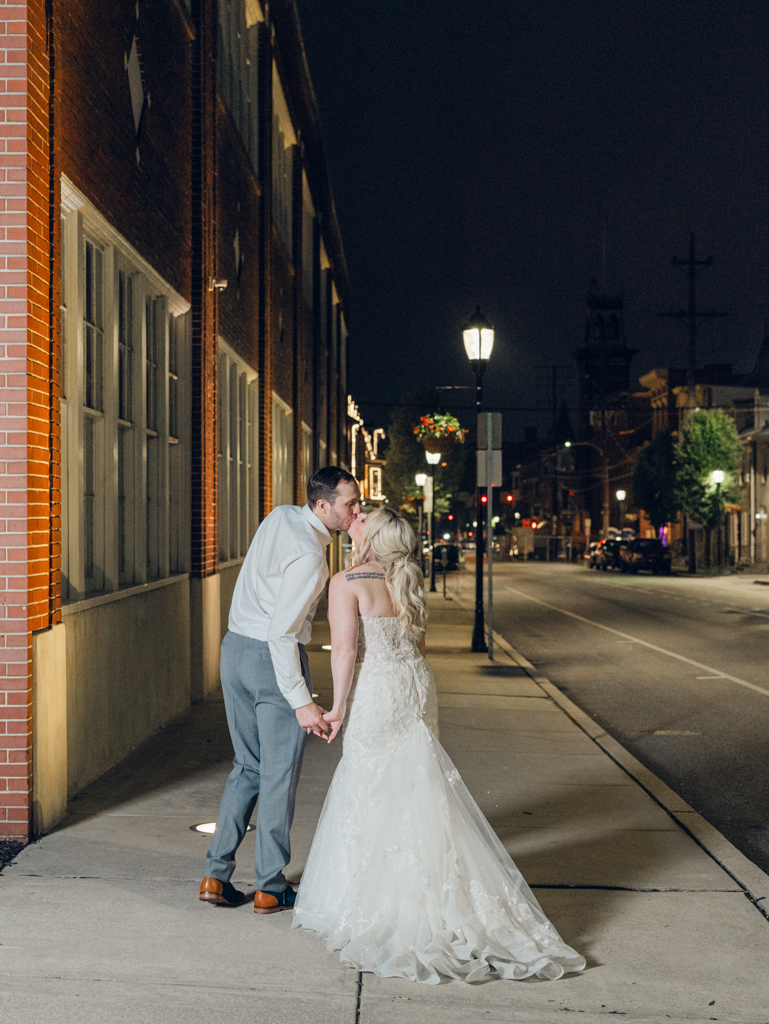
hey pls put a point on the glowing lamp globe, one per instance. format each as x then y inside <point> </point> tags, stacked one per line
<point>478,337</point>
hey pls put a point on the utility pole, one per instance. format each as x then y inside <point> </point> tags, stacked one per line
<point>692,315</point>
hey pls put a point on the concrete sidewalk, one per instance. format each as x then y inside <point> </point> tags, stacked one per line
<point>100,922</point>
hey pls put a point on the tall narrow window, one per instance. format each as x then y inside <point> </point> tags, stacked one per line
<point>89,503</point>
<point>94,333</point>
<point>125,342</point>
<point>238,462</point>
<point>153,459</point>
<point>125,436</point>
<point>93,402</point>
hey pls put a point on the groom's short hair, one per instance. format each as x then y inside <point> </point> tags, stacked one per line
<point>324,482</point>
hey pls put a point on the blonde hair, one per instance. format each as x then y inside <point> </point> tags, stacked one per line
<point>389,540</point>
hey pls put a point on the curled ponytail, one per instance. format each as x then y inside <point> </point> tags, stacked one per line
<point>389,539</point>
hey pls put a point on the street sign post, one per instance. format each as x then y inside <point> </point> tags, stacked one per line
<point>489,466</point>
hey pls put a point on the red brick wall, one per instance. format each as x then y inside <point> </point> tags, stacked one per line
<point>237,195</point>
<point>147,201</point>
<point>26,480</point>
<point>205,542</point>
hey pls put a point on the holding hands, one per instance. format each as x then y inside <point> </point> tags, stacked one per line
<point>311,719</point>
<point>317,721</point>
<point>334,719</point>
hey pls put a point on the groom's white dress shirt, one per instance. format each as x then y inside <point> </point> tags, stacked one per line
<point>278,589</point>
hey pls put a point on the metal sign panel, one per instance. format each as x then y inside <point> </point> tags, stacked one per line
<point>496,430</point>
<point>496,468</point>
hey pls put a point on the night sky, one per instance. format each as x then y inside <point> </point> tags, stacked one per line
<point>477,150</point>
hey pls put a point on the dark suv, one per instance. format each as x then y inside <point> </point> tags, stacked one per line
<point>645,553</point>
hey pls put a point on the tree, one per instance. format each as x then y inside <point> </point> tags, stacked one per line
<point>654,480</point>
<point>708,442</point>
<point>406,458</point>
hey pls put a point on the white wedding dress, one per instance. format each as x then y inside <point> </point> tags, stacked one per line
<point>405,875</point>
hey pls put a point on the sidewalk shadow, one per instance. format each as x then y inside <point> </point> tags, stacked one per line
<point>190,745</point>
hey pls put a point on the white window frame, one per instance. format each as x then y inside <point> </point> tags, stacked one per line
<point>82,223</point>
<point>306,456</point>
<point>282,452</point>
<point>238,455</point>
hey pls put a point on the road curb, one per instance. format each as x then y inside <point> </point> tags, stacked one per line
<point>745,873</point>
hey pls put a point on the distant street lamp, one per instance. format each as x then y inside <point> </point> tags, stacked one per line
<point>621,495</point>
<point>717,476</point>
<point>604,481</point>
<point>420,480</point>
<point>478,336</point>
<point>433,459</point>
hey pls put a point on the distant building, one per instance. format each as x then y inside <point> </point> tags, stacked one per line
<point>175,308</point>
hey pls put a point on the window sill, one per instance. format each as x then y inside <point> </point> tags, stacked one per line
<point>231,563</point>
<point>117,595</point>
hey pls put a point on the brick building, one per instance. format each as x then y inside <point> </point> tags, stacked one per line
<point>173,345</point>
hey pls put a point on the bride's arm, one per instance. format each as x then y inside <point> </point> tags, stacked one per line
<point>343,619</point>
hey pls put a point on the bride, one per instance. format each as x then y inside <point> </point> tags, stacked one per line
<point>405,875</point>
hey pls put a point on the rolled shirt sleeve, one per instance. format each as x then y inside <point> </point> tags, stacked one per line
<point>301,585</point>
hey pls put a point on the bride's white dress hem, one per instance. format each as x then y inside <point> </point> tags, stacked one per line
<point>405,876</point>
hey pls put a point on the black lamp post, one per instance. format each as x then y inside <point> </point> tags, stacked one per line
<point>478,337</point>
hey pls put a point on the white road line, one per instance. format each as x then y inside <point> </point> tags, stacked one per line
<point>652,647</point>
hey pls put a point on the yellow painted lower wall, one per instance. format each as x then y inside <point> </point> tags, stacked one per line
<point>127,675</point>
<point>49,723</point>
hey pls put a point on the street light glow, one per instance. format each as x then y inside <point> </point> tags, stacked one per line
<point>567,444</point>
<point>478,342</point>
<point>433,458</point>
<point>717,476</point>
<point>421,479</point>
<point>621,495</point>
<point>478,337</point>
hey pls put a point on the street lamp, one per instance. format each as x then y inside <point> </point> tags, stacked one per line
<point>604,480</point>
<point>621,495</point>
<point>478,336</point>
<point>717,476</point>
<point>433,459</point>
<point>420,480</point>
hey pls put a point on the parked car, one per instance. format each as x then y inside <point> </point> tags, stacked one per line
<point>645,553</point>
<point>452,555</point>
<point>608,554</point>
<point>590,554</point>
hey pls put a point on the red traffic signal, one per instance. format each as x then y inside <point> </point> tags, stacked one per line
<point>509,499</point>
<point>484,499</point>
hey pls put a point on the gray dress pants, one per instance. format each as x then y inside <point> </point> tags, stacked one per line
<point>269,745</point>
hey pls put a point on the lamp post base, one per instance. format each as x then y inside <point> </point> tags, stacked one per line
<point>479,644</point>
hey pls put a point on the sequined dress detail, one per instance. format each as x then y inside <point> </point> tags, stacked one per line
<point>405,876</point>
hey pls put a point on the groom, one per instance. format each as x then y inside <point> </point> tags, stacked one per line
<point>267,687</point>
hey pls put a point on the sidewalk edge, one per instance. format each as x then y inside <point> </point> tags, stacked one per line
<point>748,876</point>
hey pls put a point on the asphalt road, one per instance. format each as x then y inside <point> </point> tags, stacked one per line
<point>674,668</point>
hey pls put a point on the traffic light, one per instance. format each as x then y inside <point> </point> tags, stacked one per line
<point>484,499</point>
<point>450,518</point>
<point>509,499</point>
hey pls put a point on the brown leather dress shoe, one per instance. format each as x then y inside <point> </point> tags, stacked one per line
<point>273,902</point>
<point>221,894</point>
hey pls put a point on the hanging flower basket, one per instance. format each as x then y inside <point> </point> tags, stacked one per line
<point>439,433</point>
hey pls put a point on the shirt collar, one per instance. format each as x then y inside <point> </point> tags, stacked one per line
<point>308,513</point>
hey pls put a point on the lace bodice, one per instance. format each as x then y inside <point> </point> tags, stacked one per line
<point>379,639</point>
